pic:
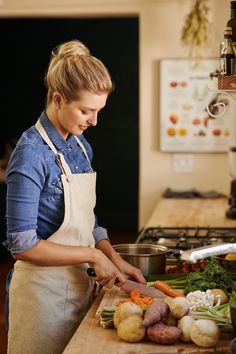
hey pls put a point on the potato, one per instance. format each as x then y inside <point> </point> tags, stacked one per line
<point>218,293</point>
<point>160,333</point>
<point>179,307</point>
<point>185,324</point>
<point>131,329</point>
<point>125,310</point>
<point>205,333</point>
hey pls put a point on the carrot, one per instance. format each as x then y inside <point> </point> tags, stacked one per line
<point>167,289</point>
<point>135,292</point>
<point>136,297</point>
<point>121,301</point>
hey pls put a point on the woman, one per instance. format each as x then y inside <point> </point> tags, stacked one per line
<point>52,230</point>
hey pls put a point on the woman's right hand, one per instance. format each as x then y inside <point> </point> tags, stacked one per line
<point>106,272</point>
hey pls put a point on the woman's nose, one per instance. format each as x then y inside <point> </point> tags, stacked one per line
<point>93,120</point>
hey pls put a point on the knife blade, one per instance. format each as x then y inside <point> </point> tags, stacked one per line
<point>144,289</point>
<point>130,285</point>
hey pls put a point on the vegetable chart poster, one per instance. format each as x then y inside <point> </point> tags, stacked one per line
<point>185,124</point>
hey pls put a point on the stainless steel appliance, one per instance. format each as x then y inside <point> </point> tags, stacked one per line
<point>180,239</point>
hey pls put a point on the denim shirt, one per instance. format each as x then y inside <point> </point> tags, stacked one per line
<point>35,199</point>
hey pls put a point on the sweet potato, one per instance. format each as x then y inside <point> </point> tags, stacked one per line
<point>155,312</point>
<point>162,334</point>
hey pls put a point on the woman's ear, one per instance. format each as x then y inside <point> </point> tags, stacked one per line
<point>57,99</point>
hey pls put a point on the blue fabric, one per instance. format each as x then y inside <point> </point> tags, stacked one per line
<point>35,200</point>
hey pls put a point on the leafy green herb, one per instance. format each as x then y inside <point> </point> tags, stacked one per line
<point>213,276</point>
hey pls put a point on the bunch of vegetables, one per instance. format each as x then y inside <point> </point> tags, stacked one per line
<point>197,313</point>
<point>213,277</point>
<point>163,321</point>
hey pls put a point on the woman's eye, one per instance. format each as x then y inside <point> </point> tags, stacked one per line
<point>84,112</point>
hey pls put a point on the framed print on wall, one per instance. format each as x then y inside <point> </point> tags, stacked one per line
<point>185,124</point>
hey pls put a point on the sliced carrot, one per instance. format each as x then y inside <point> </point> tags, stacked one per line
<point>135,297</point>
<point>135,292</point>
<point>167,289</point>
<point>121,301</point>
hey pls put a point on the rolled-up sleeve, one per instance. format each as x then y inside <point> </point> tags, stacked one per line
<point>99,232</point>
<point>21,241</point>
<point>23,191</point>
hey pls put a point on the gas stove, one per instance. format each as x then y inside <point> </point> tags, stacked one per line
<point>184,238</point>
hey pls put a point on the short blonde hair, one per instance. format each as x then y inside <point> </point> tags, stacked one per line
<point>73,68</point>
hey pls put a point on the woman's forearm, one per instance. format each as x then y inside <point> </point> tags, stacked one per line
<point>53,254</point>
<point>106,247</point>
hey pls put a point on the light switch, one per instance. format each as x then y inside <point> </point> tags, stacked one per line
<point>183,163</point>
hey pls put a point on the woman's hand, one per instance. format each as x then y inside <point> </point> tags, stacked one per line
<point>124,267</point>
<point>106,272</point>
<point>129,270</point>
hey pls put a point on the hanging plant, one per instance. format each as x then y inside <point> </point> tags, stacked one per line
<point>196,28</point>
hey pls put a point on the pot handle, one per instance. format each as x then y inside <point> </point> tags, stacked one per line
<point>175,253</point>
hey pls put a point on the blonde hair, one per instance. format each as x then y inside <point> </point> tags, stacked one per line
<point>73,68</point>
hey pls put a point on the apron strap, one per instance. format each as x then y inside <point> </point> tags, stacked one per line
<point>59,157</point>
<point>83,149</point>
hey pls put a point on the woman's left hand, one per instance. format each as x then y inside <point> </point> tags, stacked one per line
<point>124,267</point>
<point>129,270</point>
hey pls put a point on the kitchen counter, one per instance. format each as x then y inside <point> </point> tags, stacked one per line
<point>191,212</point>
<point>90,337</point>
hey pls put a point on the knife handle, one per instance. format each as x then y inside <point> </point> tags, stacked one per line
<point>91,272</point>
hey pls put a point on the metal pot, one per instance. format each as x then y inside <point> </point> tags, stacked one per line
<point>150,259</point>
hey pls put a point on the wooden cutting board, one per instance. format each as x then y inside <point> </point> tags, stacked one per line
<point>112,296</point>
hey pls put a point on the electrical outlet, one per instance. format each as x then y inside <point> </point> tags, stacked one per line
<point>183,163</point>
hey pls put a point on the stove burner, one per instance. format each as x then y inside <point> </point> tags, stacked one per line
<point>183,238</point>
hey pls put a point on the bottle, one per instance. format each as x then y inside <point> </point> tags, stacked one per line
<point>232,21</point>
<point>227,52</point>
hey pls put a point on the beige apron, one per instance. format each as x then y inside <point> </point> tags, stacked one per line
<point>48,303</point>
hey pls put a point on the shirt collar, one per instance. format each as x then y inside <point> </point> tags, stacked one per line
<point>55,137</point>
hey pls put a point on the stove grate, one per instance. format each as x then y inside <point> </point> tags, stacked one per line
<point>186,237</point>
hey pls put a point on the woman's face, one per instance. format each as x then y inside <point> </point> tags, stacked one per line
<point>75,117</point>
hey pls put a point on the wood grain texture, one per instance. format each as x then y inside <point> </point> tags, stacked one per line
<point>191,212</point>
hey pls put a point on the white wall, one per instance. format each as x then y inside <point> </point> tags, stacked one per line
<point>160,25</point>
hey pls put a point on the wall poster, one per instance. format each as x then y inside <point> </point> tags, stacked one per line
<point>185,124</point>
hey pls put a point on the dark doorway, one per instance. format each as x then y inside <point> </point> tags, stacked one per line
<point>26,44</point>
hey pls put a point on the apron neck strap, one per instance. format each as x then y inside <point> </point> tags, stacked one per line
<point>83,149</point>
<point>59,157</point>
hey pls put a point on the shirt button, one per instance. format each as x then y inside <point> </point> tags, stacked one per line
<point>76,167</point>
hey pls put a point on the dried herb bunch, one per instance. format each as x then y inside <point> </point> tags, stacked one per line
<point>196,28</point>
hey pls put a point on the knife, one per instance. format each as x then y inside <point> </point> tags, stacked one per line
<point>130,285</point>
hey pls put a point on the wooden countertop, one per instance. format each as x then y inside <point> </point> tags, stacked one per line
<point>191,212</point>
<point>90,337</point>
